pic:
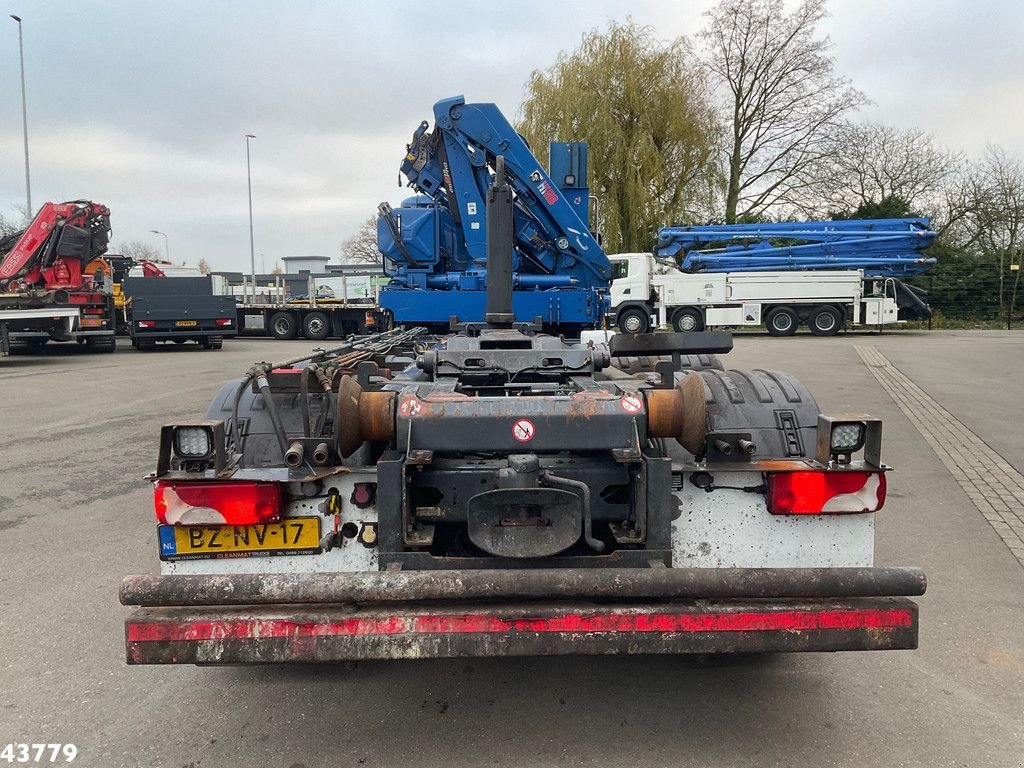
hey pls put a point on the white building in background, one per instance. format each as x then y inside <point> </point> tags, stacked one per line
<point>294,265</point>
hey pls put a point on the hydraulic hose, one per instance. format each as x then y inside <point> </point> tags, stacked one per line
<point>577,485</point>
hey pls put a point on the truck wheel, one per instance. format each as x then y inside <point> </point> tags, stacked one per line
<point>634,320</point>
<point>101,344</point>
<point>825,321</point>
<point>145,345</point>
<point>282,326</point>
<point>215,342</point>
<point>688,320</point>
<point>316,326</point>
<point>781,321</point>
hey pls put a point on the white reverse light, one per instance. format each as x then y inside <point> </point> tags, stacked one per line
<point>192,442</point>
<point>847,437</point>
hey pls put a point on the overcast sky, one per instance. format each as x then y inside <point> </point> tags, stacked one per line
<point>143,106</point>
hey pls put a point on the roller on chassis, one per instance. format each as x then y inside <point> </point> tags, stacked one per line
<point>501,492</point>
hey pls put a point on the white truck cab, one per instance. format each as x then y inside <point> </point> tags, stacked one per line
<point>646,292</point>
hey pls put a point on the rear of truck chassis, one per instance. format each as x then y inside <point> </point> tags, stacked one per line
<point>505,493</point>
<point>464,523</point>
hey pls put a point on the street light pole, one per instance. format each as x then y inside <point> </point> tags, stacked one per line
<point>167,248</point>
<point>24,121</point>
<point>252,241</point>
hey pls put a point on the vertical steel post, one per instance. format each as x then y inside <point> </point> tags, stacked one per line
<point>252,240</point>
<point>24,122</point>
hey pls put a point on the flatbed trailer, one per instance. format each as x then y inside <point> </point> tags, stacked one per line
<point>314,320</point>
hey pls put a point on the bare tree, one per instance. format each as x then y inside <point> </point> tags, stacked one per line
<point>137,250</point>
<point>996,220</point>
<point>277,270</point>
<point>204,266</point>
<point>8,225</point>
<point>870,162</point>
<point>781,98</point>
<point>361,246</point>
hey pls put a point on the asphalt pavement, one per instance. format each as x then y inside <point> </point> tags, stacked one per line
<point>79,432</point>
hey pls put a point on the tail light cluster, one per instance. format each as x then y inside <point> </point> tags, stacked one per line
<point>825,493</point>
<point>216,503</point>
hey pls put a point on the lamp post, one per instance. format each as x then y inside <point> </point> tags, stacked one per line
<point>252,242</point>
<point>24,121</point>
<point>167,248</point>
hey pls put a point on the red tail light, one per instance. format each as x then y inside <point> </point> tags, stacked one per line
<point>825,493</point>
<point>147,324</point>
<point>222,321</point>
<point>216,503</point>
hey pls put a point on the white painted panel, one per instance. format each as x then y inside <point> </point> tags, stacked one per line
<point>733,529</point>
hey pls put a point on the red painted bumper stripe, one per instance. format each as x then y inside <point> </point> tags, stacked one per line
<point>760,621</point>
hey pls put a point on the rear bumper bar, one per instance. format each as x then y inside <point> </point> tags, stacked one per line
<point>439,614</point>
<point>532,583</point>
<point>275,634</point>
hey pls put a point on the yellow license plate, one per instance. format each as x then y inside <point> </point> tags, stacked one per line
<point>187,323</point>
<point>291,536</point>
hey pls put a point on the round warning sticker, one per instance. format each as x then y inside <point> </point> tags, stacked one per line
<point>523,430</point>
<point>409,407</point>
<point>631,403</point>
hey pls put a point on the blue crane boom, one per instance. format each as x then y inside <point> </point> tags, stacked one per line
<point>434,245</point>
<point>880,247</point>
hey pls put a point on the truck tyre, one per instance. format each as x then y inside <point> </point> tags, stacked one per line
<point>215,342</point>
<point>283,326</point>
<point>634,320</point>
<point>825,321</point>
<point>101,344</point>
<point>688,320</point>
<point>316,326</point>
<point>144,345</point>
<point>781,321</point>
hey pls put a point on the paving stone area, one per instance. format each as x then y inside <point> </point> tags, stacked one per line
<point>992,485</point>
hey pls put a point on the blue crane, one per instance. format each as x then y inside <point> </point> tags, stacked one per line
<point>879,247</point>
<point>434,245</point>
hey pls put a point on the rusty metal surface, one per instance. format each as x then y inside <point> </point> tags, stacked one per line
<point>550,583</point>
<point>377,415</point>
<point>345,632</point>
<point>362,416</point>
<point>680,412</point>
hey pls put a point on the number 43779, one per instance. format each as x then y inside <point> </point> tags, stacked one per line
<point>38,753</point>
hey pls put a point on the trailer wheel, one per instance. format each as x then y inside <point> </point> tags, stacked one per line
<point>781,321</point>
<point>216,342</point>
<point>101,344</point>
<point>144,345</point>
<point>316,326</point>
<point>634,320</point>
<point>283,326</point>
<point>688,320</point>
<point>825,321</point>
